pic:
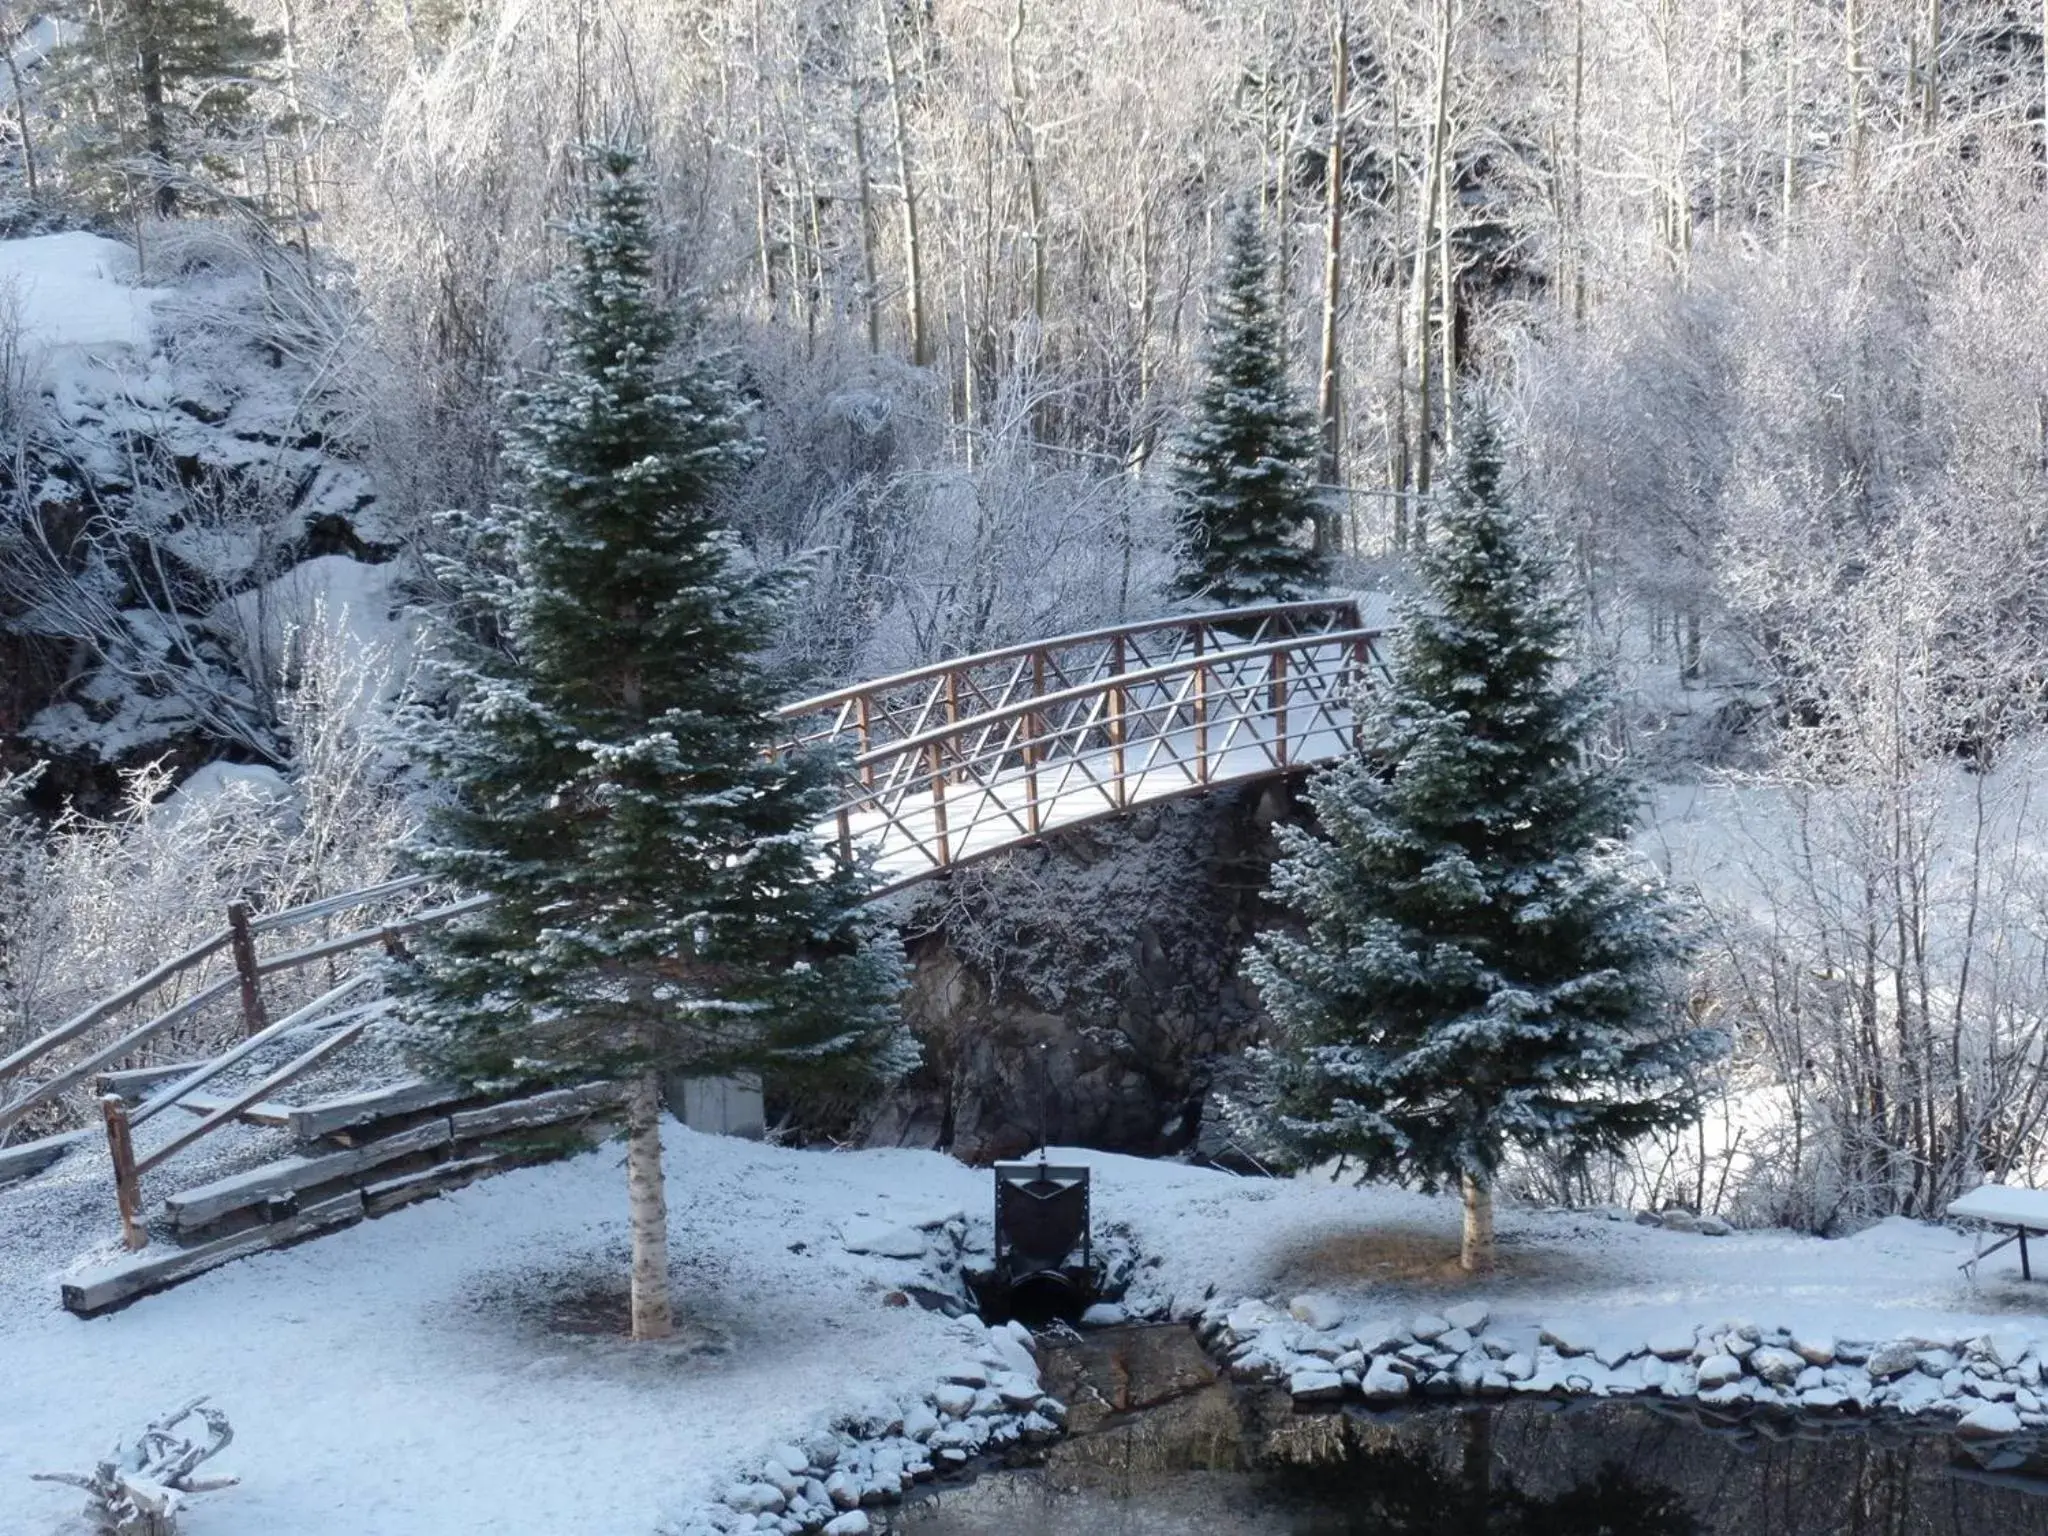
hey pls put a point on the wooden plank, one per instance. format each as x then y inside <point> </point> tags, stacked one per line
<point>541,1109</point>
<point>313,1121</point>
<point>34,1156</point>
<point>429,1182</point>
<point>262,1113</point>
<point>72,1028</point>
<point>194,1208</point>
<point>115,1285</point>
<point>131,1082</point>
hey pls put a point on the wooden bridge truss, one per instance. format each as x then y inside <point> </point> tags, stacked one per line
<point>964,759</point>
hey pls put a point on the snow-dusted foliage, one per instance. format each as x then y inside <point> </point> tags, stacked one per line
<point>659,900</point>
<point>1244,465</point>
<point>1483,965</point>
<point>89,903</point>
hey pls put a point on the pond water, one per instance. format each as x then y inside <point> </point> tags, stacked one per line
<point>1160,1447</point>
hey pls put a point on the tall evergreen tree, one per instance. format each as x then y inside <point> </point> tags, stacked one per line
<point>164,85</point>
<point>1484,965</point>
<point>1244,468</point>
<point>661,901</point>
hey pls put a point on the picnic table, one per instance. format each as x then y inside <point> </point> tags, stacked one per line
<point>2001,1205</point>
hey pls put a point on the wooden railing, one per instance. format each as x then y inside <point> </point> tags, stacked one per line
<point>943,766</point>
<point>961,760</point>
<point>246,979</point>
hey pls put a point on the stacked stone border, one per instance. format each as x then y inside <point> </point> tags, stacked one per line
<point>1984,1384</point>
<point>827,1481</point>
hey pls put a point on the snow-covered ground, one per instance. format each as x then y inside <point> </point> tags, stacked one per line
<point>75,290</point>
<point>433,1373</point>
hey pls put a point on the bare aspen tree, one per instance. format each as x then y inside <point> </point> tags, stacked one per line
<point>913,247</point>
<point>1017,112</point>
<point>1329,388</point>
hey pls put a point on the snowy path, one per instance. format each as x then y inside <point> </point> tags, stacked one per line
<point>399,1377</point>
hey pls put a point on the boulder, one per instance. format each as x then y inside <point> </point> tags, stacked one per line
<point>1712,1226</point>
<point>1673,1343</point>
<point>1988,1421</point>
<point>1814,1348</point>
<point>1316,1386</point>
<point>1779,1367</point>
<point>1893,1359</point>
<point>1717,1371</point>
<point>853,1523</point>
<point>1383,1384</point>
<point>1471,1316</point>
<point>757,1499</point>
<point>1428,1327</point>
<point>1569,1338</point>
<point>1321,1313</point>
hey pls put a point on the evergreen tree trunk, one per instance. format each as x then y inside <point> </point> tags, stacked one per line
<point>156,128</point>
<point>1476,1253</point>
<point>647,1197</point>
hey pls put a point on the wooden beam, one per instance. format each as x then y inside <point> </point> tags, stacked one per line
<point>115,1285</point>
<point>541,1109</point>
<point>313,1121</point>
<point>292,1176</point>
<point>34,1156</point>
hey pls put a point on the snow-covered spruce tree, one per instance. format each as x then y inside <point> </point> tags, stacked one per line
<point>154,87</point>
<point>1484,965</point>
<point>1243,470</point>
<point>661,903</point>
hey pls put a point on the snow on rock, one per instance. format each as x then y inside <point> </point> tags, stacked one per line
<point>76,290</point>
<point>1321,1313</point>
<point>883,1239</point>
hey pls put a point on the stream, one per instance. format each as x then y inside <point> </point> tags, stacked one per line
<point>1160,1445</point>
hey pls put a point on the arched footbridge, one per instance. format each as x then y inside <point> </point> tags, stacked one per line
<point>960,760</point>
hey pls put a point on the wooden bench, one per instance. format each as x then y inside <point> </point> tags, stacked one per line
<point>2002,1205</point>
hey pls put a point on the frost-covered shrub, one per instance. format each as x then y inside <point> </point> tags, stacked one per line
<point>89,904</point>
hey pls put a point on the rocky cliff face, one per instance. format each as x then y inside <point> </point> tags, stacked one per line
<point>179,489</point>
<point>1092,981</point>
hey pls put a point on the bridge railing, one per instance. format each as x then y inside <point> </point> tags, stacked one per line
<point>1017,743</point>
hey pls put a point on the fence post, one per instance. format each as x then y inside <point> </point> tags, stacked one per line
<point>1116,722</point>
<point>243,942</point>
<point>1201,713</point>
<point>933,761</point>
<point>1032,815</point>
<point>867,770</point>
<point>1280,708</point>
<point>127,1187</point>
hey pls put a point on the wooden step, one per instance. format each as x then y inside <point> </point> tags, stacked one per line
<point>264,1113</point>
<point>132,1083</point>
<point>155,1269</point>
<point>311,1122</point>
<point>29,1157</point>
<point>291,1177</point>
